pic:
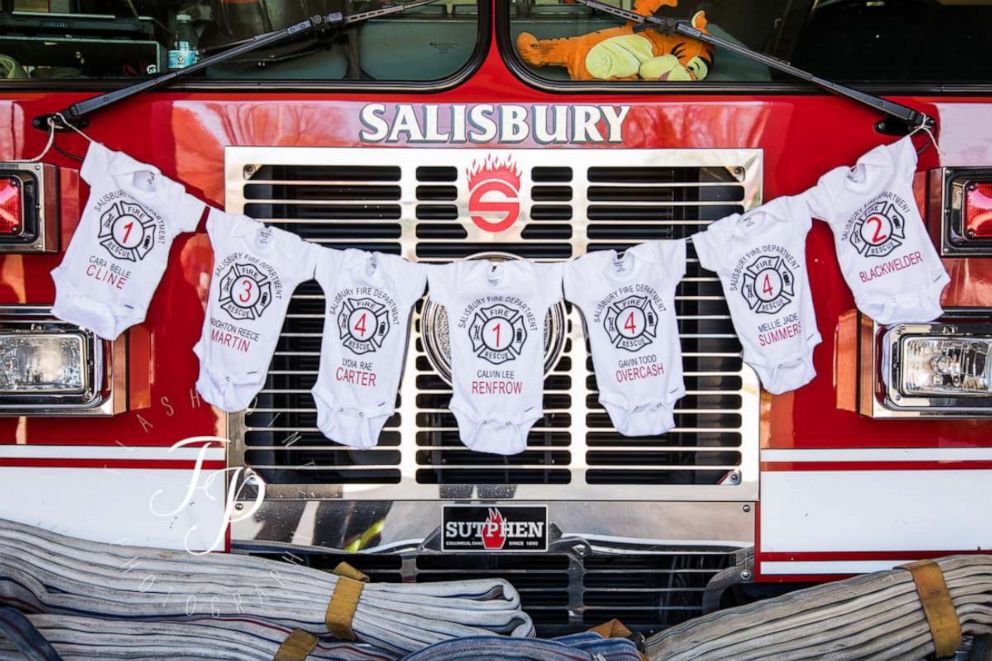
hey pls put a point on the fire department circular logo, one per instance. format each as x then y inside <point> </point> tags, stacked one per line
<point>494,189</point>
<point>363,324</point>
<point>631,323</point>
<point>879,230</point>
<point>768,284</point>
<point>127,231</point>
<point>498,333</point>
<point>245,292</point>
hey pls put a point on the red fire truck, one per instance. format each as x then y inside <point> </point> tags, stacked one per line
<point>433,133</point>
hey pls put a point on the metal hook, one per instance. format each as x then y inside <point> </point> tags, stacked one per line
<point>69,125</point>
<point>48,145</point>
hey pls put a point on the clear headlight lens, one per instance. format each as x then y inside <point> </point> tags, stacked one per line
<point>946,367</point>
<point>42,363</point>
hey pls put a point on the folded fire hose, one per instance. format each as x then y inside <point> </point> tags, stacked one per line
<point>50,573</point>
<point>909,612</point>
<point>74,637</point>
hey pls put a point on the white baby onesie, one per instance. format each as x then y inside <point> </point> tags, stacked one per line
<point>120,249</point>
<point>496,314</point>
<point>885,253</point>
<point>369,300</point>
<point>760,258</point>
<point>629,308</point>
<point>256,270</point>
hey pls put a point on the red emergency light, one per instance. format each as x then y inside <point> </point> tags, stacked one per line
<point>11,206</point>
<point>961,199</point>
<point>28,207</point>
<point>977,211</point>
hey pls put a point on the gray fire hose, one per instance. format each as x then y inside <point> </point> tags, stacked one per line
<point>874,616</point>
<point>50,573</point>
<point>76,637</point>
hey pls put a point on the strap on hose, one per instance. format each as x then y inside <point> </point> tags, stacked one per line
<point>945,628</point>
<point>617,629</point>
<point>296,647</point>
<point>612,629</point>
<point>344,601</point>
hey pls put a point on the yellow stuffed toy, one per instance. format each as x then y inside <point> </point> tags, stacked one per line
<point>623,54</point>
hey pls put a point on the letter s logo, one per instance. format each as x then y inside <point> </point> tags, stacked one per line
<point>494,189</point>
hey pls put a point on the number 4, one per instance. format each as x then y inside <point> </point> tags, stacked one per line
<point>631,325</point>
<point>768,289</point>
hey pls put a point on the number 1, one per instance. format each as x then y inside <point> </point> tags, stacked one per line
<point>496,330</point>
<point>127,230</point>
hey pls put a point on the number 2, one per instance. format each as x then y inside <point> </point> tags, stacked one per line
<point>360,324</point>
<point>631,325</point>
<point>878,237</point>
<point>245,296</point>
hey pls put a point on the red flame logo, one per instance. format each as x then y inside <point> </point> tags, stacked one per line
<point>494,531</point>
<point>494,187</point>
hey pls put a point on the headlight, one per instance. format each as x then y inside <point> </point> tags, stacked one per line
<point>50,367</point>
<point>42,363</point>
<point>955,367</point>
<point>942,369</point>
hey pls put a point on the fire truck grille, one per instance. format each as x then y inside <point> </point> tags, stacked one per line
<point>417,203</point>
<point>562,592</point>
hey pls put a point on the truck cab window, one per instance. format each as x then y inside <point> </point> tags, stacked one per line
<point>131,39</point>
<point>857,41</point>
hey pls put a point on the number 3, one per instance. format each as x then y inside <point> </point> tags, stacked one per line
<point>245,296</point>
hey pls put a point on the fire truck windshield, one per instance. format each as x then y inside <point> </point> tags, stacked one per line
<point>137,40</point>
<point>850,41</point>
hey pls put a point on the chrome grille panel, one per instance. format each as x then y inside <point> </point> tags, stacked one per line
<point>413,202</point>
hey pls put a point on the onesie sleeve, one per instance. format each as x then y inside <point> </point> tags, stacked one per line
<point>219,226</point>
<point>186,210</point>
<point>308,256</point>
<point>708,249</point>
<point>800,213</point>
<point>412,278</point>
<point>820,198</point>
<point>573,282</point>
<point>327,264</point>
<point>96,165</point>
<point>299,259</point>
<point>440,279</point>
<point>672,254</point>
<point>549,282</point>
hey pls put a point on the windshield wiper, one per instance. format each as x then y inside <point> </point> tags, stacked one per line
<point>77,112</point>
<point>913,118</point>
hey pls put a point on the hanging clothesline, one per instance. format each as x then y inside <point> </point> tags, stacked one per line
<point>495,310</point>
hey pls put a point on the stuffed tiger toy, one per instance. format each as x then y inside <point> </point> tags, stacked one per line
<point>623,54</point>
